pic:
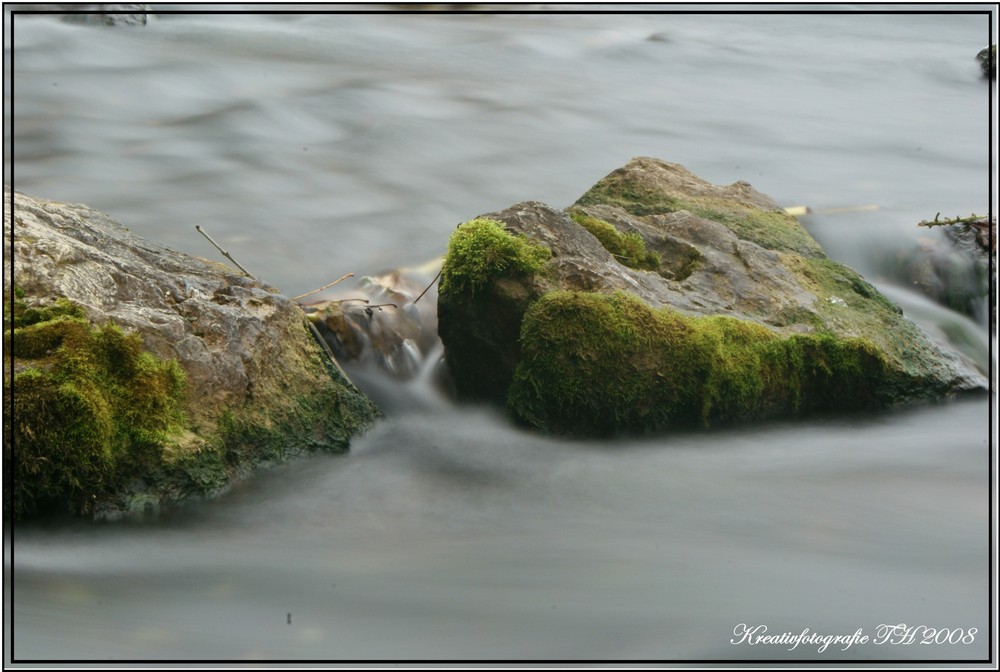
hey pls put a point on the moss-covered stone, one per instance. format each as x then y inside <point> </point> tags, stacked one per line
<point>25,315</point>
<point>770,227</point>
<point>482,249</point>
<point>92,419</point>
<point>746,318</point>
<point>259,388</point>
<point>87,406</point>
<point>628,248</point>
<point>605,363</point>
<point>480,280</point>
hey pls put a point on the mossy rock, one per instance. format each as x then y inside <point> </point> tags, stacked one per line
<point>742,316</point>
<point>483,343</point>
<point>105,326</point>
<point>652,187</point>
<point>481,250</point>
<point>598,364</point>
<point>89,407</point>
<point>628,248</point>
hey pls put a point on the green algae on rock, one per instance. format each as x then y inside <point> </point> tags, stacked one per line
<point>628,248</point>
<point>745,317</point>
<point>481,253</point>
<point>604,363</point>
<point>258,389</point>
<point>652,187</point>
<point>482,249</point>
<point>89,408</point>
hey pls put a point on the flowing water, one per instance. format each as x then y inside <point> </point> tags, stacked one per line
<point>311,145</point>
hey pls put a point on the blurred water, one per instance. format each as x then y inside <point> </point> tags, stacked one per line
<point>450,535</point>
<point>313,145</point>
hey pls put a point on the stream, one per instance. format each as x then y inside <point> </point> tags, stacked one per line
<point>315,144</point>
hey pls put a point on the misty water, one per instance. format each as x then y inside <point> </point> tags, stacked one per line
<point>312,145</point>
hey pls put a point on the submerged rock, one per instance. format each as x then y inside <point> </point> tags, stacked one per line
<point>230,375</point>
<point>740,314</point>
<point>389,320</point>
<point>949,269</point>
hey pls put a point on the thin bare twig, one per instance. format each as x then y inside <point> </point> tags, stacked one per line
<point>317,291</point>
<point>428,287</point>
<point>226,254</point>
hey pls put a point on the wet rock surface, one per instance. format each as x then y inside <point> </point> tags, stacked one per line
<point>387,322</point>
<point>258,388</point>
<point>725,252</point>
<point>951,269</point>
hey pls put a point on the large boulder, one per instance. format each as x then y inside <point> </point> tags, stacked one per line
<point>661,300</point>
<point>135,375</point>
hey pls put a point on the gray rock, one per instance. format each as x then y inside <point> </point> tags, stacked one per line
<point>96,14</point>
<point>724,252</point>
<point>950,269</point>
<point>259,388</point>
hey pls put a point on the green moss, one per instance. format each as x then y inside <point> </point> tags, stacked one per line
<point>86,407</point>
<point>482,249</point>
<point>599,364</point>
<point>773,229</point>
<point>321,421</point>
<point>39,339</point>
<point>617,190</point>
<point>591,364</point>
<point>26,314</point>
<point>830,280</point>
<point>200,473</point>
<point>847,304</point>
<point>293,422</point>
<point>628,248</point>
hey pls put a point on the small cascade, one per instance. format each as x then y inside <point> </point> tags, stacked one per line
<point>946,326</point>
<point>383,332</point>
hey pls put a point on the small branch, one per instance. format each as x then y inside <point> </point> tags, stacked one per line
<point>317,291</point>
<point>971,220</point>
<point>224,253</point>
<point>329,352</point>
<point>978,229</point>
<point>428,286</point>
<point>368,309</point>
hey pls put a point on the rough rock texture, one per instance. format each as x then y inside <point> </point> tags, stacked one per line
<point>258,388</point>
<point>726,252</point>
